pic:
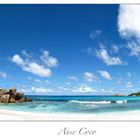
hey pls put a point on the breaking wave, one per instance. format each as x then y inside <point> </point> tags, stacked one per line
<point>98,102</point>
<point>90,102</point>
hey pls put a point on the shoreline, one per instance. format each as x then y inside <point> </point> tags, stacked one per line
<point>20,115</point>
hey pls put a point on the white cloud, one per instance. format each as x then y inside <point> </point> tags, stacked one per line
<point>119,82</point>
<point>129,75</point>
<point>115,48</point>
<point>58,90</point>
<point>26,54</point>
<point>37,69</point>
<point>73,78</point>
<point>128,85</point>
<point>40,90</point>
<point>33,80</point>
<point>129,21</point>
<point>61,89</point>
<point>3,74</point>
<point>84,89</point>
<point>128,27</point>
<point>90,77</point>
<point>30,78</point>
<point>40,82</point>
<point>106,58</point>
<point>67,83</point>
<point>105,74</point>
<point>134,48</point>
<point>108,91</point>
<point>90,51</point>
<point>95,34</point>
<point>18,60</point>
<point>24,90</point>
<point>31,67</point>
<point>49,60</point>
<point>37,80</point>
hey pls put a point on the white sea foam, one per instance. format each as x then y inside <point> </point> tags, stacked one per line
<point>91,102</point>
<point>98,102</point>
<point>121,101</point>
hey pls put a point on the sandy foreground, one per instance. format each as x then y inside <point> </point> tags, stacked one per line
<point>19,115</point>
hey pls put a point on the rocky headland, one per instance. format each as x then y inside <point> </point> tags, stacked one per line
<point>12,96</point>
<point>134,94</point>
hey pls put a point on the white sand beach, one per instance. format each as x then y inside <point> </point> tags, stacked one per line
<point>19,115</point>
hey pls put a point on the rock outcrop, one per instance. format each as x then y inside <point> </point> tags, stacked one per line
<point>12,96</point>
<point>117,95</point>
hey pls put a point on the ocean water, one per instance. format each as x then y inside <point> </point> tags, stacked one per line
<point>76,104</point>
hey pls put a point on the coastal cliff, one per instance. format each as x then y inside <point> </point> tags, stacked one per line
<point>12,96</point>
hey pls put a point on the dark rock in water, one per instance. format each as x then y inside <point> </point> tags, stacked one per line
<point>113,101</point>
<point>24,99</point>
<point>28,99</point>
<point>21,100</point>
<point>12,96</point>
<point>17,96</point>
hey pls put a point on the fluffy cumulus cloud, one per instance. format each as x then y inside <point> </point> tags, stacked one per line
<point>128,27</point>
<point>3,74</point>
<point>49,60</point>
<point>37,69</point>
<point>90,77</point>
<point>18,60</point>
<point>84,89</point>
<point>33,67</point>
<point>105,74</point>
<point>103,54</point>
<point>95,34</point>
<point>129,21</point>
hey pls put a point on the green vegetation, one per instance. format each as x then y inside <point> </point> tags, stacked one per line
<point>135,94</point>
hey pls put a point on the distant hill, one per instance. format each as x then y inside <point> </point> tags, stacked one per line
<point>134,94</point>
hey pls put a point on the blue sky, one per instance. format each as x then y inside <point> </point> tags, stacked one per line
<point>70,49</point>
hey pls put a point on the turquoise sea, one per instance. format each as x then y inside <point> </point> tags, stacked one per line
<point>76,104</point>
